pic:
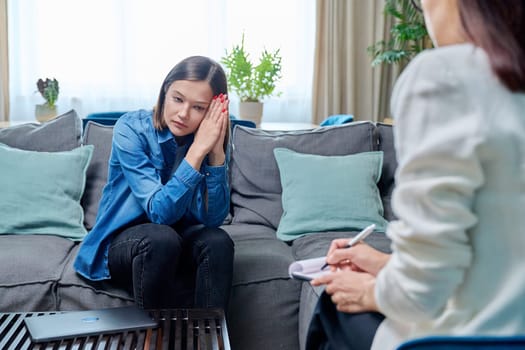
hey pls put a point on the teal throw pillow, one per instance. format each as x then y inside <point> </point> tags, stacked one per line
<point>41,191</point>
<point>329,193</point>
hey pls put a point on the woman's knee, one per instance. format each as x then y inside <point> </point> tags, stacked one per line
<point>213,243</point>
<point>160,240</point>
<point>218,239</point>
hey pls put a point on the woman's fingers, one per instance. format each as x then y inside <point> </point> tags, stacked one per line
<point>218,106</point>
<point>215,121</point>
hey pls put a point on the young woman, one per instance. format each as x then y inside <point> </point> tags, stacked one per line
<point>457,248</point>
<point>157,231</point>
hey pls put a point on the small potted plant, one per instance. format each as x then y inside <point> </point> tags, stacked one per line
<point>250,82</point>
<point>49,90</point>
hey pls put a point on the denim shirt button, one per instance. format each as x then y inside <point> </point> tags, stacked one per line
<point>207,173</point>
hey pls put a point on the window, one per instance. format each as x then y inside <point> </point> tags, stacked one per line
<point>114,54</point>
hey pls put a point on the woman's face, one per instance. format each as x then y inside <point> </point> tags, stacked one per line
<point>185,106</point>
<point>443,22</point>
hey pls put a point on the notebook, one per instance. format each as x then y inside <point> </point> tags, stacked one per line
<point>90,322</point>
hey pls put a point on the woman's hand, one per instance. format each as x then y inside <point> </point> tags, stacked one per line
<point>351,291</point>
<point>217,155</point>
<point>361,257</point>
<point>209,137</point>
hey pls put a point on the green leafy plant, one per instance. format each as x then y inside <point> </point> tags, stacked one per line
<point>49,90</point>
<point>252,82</point>
<point>409,35</point>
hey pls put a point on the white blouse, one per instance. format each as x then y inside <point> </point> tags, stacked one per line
<point>458,263</point>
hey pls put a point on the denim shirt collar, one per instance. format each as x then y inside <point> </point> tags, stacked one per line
<point>165,135</point>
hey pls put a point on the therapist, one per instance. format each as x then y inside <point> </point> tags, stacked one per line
<point>456,266</point>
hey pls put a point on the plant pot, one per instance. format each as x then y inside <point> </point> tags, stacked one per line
<point>45,112</point>
<point>251,111</point>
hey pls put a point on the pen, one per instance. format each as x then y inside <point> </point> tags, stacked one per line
<point>358,238</point>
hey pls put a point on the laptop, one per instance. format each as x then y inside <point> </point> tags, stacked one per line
<point>89,322</point>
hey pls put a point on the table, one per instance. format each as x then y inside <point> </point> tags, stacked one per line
<point>181,329</point>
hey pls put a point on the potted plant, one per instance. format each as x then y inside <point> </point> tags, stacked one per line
<point>49,90</point>
<point>408,35</point>
<point>250,82</point>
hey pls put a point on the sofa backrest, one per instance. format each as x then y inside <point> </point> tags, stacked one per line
<point>255,181</point>
<point>385,138</point>
<point>100,136</point>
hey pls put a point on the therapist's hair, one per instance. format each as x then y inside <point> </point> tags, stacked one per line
<point>193,68</point>
<point>498,27</point>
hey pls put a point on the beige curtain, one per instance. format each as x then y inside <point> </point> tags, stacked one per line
<point>344,80</point>
<point>4,67</point>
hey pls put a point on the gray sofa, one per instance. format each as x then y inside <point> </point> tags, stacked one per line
<point>268,310</point>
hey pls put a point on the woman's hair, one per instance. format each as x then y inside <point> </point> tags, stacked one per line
<point>498,27</point>
<point>194,68</point>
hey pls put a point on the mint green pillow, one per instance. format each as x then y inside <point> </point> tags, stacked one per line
<point>329,193</point>
<point>41,191</point>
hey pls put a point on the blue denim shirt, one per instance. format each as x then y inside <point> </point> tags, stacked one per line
<point>142,187</point>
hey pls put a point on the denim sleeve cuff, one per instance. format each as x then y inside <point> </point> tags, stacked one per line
<point>215,174</point>
<point>187,174</point>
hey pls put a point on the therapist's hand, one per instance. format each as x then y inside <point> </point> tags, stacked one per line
<point>351,291</point>
<point>360,257</point>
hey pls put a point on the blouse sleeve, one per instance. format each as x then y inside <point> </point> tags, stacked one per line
<point>437,138</point>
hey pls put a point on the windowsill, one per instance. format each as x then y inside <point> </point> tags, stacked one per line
<point>4,124</point>
<point>265,126</point>
<point>287,126</point>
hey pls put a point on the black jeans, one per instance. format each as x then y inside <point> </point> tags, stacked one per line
<point>331,329</point>
<point>167,268</point>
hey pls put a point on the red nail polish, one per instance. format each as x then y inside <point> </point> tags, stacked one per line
<point>223,110</point>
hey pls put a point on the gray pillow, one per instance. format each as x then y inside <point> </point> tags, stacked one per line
<point>97,173</point>
<point>387,182</point>
<point>255,182</point>
<point>62,133</point>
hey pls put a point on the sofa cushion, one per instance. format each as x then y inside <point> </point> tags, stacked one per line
<point>240,232</point>
<point>387,182</point>
<point>59,134</point>
<point>262,291</point>
<point>314,246</point>
<point>264,315</point>
<point>42,191</point>
<point>259,260</point>
<point>255,183</point>
<point>75,292</point>
<point>31,267</point>
<point>99,136</point>
<point>327,193</point>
